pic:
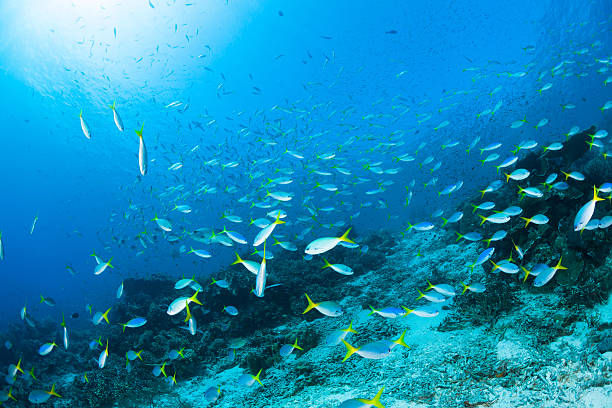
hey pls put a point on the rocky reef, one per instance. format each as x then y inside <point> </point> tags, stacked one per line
<point>514,344</point>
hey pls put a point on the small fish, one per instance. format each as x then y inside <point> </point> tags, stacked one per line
<point>322,245</point>
<point>247,380</point>
<point>586,212</point>
<point>474,287</point>
<point>135,322</point>
<point>388,312</point>
<point>142,152</point>
<point>518,174</point>
<point>39,396</point>
<point>46,348</point>
<point>483,257</point>
<point>230,310</point>
<point>340,268</point>
<point>84,126</point>
<point>103,357</point>
<point>116,117</point>
<point>376,350</point>
<point>575,175</point>
<point>328,308</point>
<point>539,219</point>
<point>287,349</point>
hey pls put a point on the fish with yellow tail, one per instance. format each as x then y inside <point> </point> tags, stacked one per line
<point>322,245</point>
<point>328,308</point>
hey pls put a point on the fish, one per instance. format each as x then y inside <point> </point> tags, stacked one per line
<point>179,304</point>
<point>517,175</point>
<point>327,308</point>
<point>376,350</point>
<point>538,219</point>
<point>103,356</point>
<point>483,257</point>
<point>474,287</point>
<point>246,380</point>
<point>46,348</point>
<point>116,117</point>
<point>40,396</point>
<point>142,152</point>
<point>133,323</point>
<point>84,126</point>
<point>340,268</point>
<point>586,212</point>
<point>388,312</point>
<point>133,355</point>
<point>322,245</point>
<point>287,349</point>
<point>335,337</point>
<point>265,233</point>
<point>363,402</point>
<point>101,267</point>
<point>261,277</point>
<point>99,316</point>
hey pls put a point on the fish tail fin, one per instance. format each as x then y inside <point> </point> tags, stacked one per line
<point>10,394</point>
<point>527,221</point>
<point>327,264</point>
<point>350,328</point>
<point>138,354</point>
<point>256,377</point>
<point>238,259</point>
<point>350,350</point>
<point>408,311</point>
<point>42,299</point>
<point>445,221</point>
<point>507,177</point>
<point>109,263</point>
<point>421,294</point>
<point>459,236</point>
<point>52,392</point>
<point>311,304</point>
<point>112,106</point>
<point>194,298</point>
<point>400,341</point>
<point>344,237</point>
<point>188,313</point>
<point>31,372</point>
<point>123,328</point>
<point>526,273</point>
<point>559,266</point>
<point>429,285</point>
<point>483,219</point>
<point>295,345</point>
<point>566,175</point>
<point>105,315</point>
<point>465,287</point>
<point>595,197</point>
<point>376,400</point>
<point>81,114</point>
<point>373,310</point>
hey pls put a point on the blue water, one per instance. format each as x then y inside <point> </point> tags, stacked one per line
<point>325,65</point>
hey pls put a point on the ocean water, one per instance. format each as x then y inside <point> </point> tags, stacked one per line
<point>381,121</point>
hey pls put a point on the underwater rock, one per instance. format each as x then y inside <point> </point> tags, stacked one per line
<point>605,345</point>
